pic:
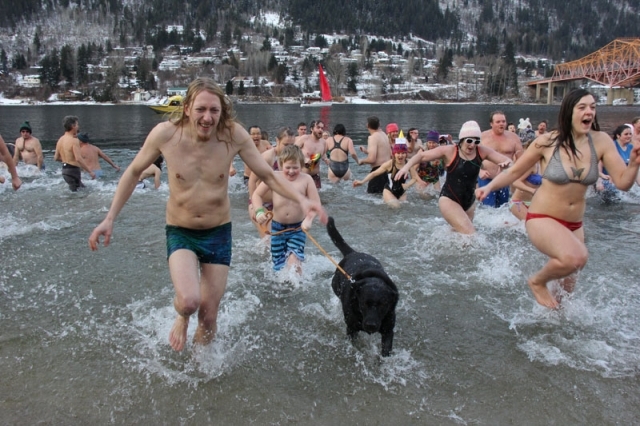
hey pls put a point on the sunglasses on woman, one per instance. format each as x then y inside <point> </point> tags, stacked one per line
<point>471,140</point>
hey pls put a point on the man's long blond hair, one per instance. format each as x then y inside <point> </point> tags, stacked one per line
<point>205,84</point>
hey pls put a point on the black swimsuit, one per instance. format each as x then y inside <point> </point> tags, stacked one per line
<point>395,186</point>
<point>462,176</point>
<point>376,185</point>
<point>339,168</point>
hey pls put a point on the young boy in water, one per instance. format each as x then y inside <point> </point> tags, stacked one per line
<point>289,222</point>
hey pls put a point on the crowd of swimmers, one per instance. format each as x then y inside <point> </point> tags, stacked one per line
<point>74,149</point>
<point>550,174</point>
<point>558,165</point>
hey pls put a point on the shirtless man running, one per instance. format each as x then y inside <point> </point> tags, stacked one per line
<point>198,147</point>
<point>313,147</point>
<point>378,152</point>
<point>28,147</point>
<point>504,142</point>
<point>68,152</point>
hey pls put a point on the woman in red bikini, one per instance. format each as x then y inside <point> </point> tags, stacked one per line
<point>568,159</point>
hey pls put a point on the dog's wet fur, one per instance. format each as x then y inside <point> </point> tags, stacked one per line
<point>369,299</point>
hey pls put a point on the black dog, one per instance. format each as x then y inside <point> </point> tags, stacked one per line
<point>369,298</point>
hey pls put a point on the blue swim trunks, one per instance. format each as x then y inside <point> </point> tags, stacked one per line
<point>210,245</point>
<point>495,198</point>
<point>282,245</point>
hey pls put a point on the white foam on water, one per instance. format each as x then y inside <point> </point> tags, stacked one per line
<point>490,219</point>
<point>592,331</point>
<point>14,226</point>
<point>318,322</point>
<point>398,370</point>
<point>150,327</point>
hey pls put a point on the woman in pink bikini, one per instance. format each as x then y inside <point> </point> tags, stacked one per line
<point>569,159</point>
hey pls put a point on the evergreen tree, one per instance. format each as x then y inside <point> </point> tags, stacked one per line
<point>211,29</point>
<point>352,77</point>
<point>307,85</point>
<point>109,91</point>
<point>266,45</point>
<point>67,64</point>
<point>511,68</point>
<point>289,36</point>
<point>321,42</point>
<point>83,59</point>
<point>280,74</point>
<point>36,40</point>
<point>4,61</point>
<point>273,63</point>
<point>226,36</point>
<point>241,89</point>
<point>229,88</point>
<point>50,72</point>
<point>19,62</point>
<point>446,62</point>
<point>198,44</point>
<point>143,72</point>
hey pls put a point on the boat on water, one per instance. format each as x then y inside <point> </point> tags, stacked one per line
<point>318,99</point>
<point>170,105</point>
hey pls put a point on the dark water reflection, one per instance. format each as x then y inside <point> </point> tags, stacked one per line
<point>126,126</point>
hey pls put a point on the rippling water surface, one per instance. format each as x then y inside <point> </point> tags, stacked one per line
<point>84,335</point>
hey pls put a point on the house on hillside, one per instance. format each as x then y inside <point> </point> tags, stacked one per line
<point>30,81</point>
<point>170,64</point>
<point>71,95</point>
<point>172,91</point>
<point>179,29</point>
<point>140,95</point>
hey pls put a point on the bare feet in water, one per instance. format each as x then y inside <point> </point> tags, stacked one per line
<point>202,336</point>
<point>542,294</point>
<point>178,333</point>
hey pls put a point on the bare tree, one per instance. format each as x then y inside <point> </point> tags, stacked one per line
<point>225,72</point>
<point>256,65</point>
<point>337,75</point>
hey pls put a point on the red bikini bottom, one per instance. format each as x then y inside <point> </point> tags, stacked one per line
<point>572,226</point>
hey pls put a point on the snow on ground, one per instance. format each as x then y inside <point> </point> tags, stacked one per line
<point>269,18</point>
<point>5,101</point>
<point>355,100</point>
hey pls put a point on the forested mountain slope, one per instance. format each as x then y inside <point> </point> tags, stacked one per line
<point>556,29</point>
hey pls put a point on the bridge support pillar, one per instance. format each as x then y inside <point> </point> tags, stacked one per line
<point>614,93</point>
<point>550,93</point>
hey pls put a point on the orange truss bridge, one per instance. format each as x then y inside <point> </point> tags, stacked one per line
<point>616,65</point>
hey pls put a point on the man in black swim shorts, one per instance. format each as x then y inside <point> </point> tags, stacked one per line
<point>378,152</point>
<point>68,152</point>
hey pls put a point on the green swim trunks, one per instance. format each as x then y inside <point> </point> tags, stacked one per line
<point>210,245</point>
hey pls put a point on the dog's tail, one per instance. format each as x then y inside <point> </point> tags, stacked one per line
<point>337,238</point>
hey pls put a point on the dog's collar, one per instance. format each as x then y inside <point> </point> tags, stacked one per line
<point>374,273</point>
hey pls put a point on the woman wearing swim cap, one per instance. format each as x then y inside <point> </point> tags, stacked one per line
<point>462,162</point>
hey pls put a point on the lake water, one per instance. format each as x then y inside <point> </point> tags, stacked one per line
<point>84,335</point>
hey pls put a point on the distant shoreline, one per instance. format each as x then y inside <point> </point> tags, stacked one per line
<point>289,101</point>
